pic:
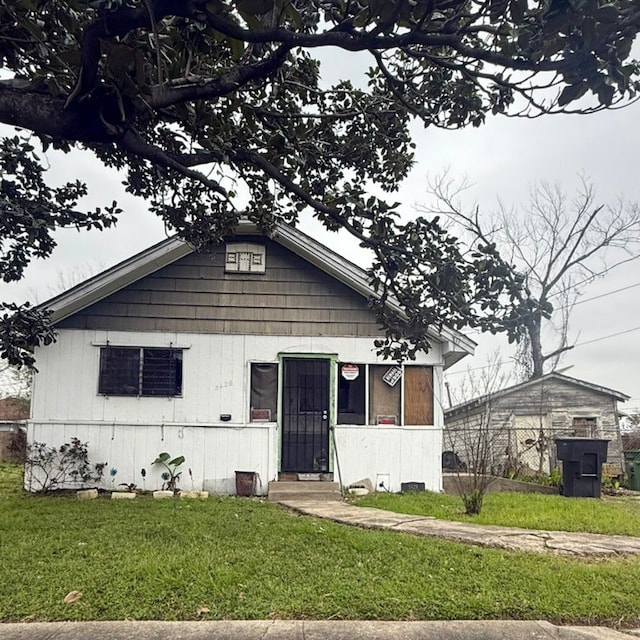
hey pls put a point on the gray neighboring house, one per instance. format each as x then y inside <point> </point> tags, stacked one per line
<point>521,422</point>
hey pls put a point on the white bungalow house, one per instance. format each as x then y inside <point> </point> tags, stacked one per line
<point>257,355</point>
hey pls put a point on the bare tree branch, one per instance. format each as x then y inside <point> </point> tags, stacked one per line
<point>554,245</point>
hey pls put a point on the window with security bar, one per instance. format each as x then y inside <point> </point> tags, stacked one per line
<point>584,427</point>
<point>140,371</point>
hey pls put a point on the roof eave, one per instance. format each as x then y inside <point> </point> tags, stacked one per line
<point>455,346</point>
<point>122,274</point>
<point>474,403</point>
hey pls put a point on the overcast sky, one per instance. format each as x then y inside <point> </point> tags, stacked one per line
<point>501,159</point>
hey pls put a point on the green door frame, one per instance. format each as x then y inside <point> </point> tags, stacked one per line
<point>333,360</point>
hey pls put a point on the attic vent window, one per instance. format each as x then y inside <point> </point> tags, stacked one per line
<point>245,257</point>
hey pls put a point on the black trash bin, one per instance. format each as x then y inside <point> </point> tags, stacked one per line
<point>246,483</point>
<point>582,460</point>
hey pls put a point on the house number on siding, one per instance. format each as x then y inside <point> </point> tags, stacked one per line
<point>224,385</point>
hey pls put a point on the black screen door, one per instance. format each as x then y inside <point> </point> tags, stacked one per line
<point>305,415</point>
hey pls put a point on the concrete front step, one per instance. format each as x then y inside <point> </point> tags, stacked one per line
<point>280,491</point>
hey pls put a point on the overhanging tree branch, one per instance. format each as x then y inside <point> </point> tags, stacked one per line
<point>188,96</point>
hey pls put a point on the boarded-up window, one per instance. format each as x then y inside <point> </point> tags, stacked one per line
<point>584,427</point>
<point>351,393</point>
<point>418,395</point>
<point>264,392</point>
<point>384,394</point>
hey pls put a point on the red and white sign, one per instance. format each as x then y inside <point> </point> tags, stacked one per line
<point>350,371</point>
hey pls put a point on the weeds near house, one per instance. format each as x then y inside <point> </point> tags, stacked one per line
<point>476,439</point>
<point>48,468</point>
<point>244,558</point>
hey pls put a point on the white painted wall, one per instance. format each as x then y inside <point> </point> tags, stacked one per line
<point>129,432</point>
<point>213,454</point>
<point>405,454</point>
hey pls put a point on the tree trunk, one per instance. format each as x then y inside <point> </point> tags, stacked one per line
<point>533,325</point>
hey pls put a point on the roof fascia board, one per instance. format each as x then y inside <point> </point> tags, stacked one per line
<point>593,387</point>
<point>117,277</point>
<point>477,402</point>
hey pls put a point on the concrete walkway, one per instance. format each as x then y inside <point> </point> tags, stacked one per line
<point>307,630</point>
<point>512,539</point>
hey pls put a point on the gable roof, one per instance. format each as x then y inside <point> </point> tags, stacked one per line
<point>454,344</point>
<point>481,400</point>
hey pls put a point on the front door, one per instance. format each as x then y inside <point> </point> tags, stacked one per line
<point>305,415</point>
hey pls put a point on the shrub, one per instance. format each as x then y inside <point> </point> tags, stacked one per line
<point>49,468</point>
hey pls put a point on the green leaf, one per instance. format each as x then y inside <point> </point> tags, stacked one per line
<point>518,8</point>
<point>497,9</point>
<point>237,48</point>
<point>252,21</point>
<point>362,19</point>
<point>572,92</point>
<point>588,32</point>
<point>607,13</point>
<point>177,461</point>
<point>121,58</point>
<point>255,7</point>
<point>623,48</point>
<point>605,94</point>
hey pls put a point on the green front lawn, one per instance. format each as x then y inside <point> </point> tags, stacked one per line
<point>244,558</point>
<point>610,515</point>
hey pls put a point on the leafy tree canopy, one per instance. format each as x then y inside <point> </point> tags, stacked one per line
<point>202,101</point>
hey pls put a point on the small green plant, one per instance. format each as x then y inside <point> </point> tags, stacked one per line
<point>473,502</point>
<point>610,485</point>
<point>171,475</point>
<point>555,477</point>
<point>552,479</point>
<point>48,468</point>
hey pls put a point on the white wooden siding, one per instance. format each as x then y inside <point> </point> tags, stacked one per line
<point>215,453</point>
<point>405,454</point>
<point>215,375</point>
<point>129,432</point>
